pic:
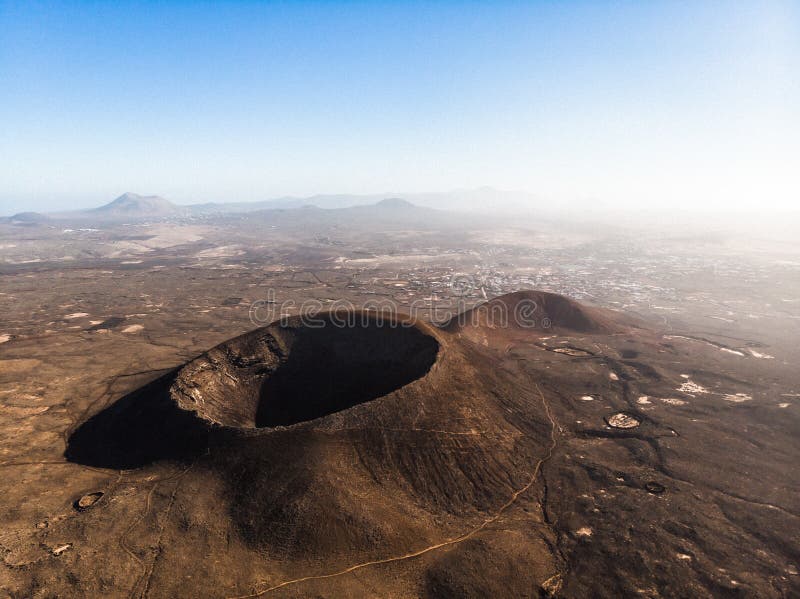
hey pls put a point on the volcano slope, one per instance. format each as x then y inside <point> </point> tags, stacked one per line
<point>529,447</point>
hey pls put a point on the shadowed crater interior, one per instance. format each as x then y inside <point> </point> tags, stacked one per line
<point>284,374</point>
<point>330,369</point>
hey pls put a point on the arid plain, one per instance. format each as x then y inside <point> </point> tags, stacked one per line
<point>635,435</point>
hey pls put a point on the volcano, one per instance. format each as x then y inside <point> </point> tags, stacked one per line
<point>505,453</point>
<point>133,205</point>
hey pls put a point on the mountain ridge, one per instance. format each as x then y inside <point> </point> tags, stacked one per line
<point>130,203</point>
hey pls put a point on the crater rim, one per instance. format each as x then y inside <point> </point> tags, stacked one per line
<point>408,344</point>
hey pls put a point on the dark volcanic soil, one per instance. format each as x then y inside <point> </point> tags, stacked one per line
<point>397,459</point>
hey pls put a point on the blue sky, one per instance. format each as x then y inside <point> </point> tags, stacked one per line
<point>632,104</point>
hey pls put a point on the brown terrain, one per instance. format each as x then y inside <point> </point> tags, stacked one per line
<point>532,445</point>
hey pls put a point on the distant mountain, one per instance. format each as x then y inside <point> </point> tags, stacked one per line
<point>28,218</point>
<point>237,207</point>
<point>482,200</point>
<point>395,204</point>
<point>135,205</point>
<point>327,202</point>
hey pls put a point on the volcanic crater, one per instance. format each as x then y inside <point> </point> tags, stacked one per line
<point>303,369</point>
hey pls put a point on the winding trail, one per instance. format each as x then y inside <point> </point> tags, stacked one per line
<point>467,535</point>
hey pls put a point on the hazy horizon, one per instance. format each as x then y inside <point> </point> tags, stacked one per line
<point>480,199</point>
<point>662,106</point>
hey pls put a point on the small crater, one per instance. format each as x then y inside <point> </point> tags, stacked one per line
<point>654,487</point>
<point>87,501</point>
<point>622,420</point>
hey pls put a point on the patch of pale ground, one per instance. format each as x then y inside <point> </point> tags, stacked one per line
<point>133,328</point>
<point>692,388</point>
<point>728,350</point>
<point>224,251</point>
<point>169,236</point>
<point>672,401</point>
<point>163,237</point>
<point>737,397</point>
<point>383,259</point>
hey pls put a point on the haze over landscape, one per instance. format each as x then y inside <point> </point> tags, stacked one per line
<point>399,299</point>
